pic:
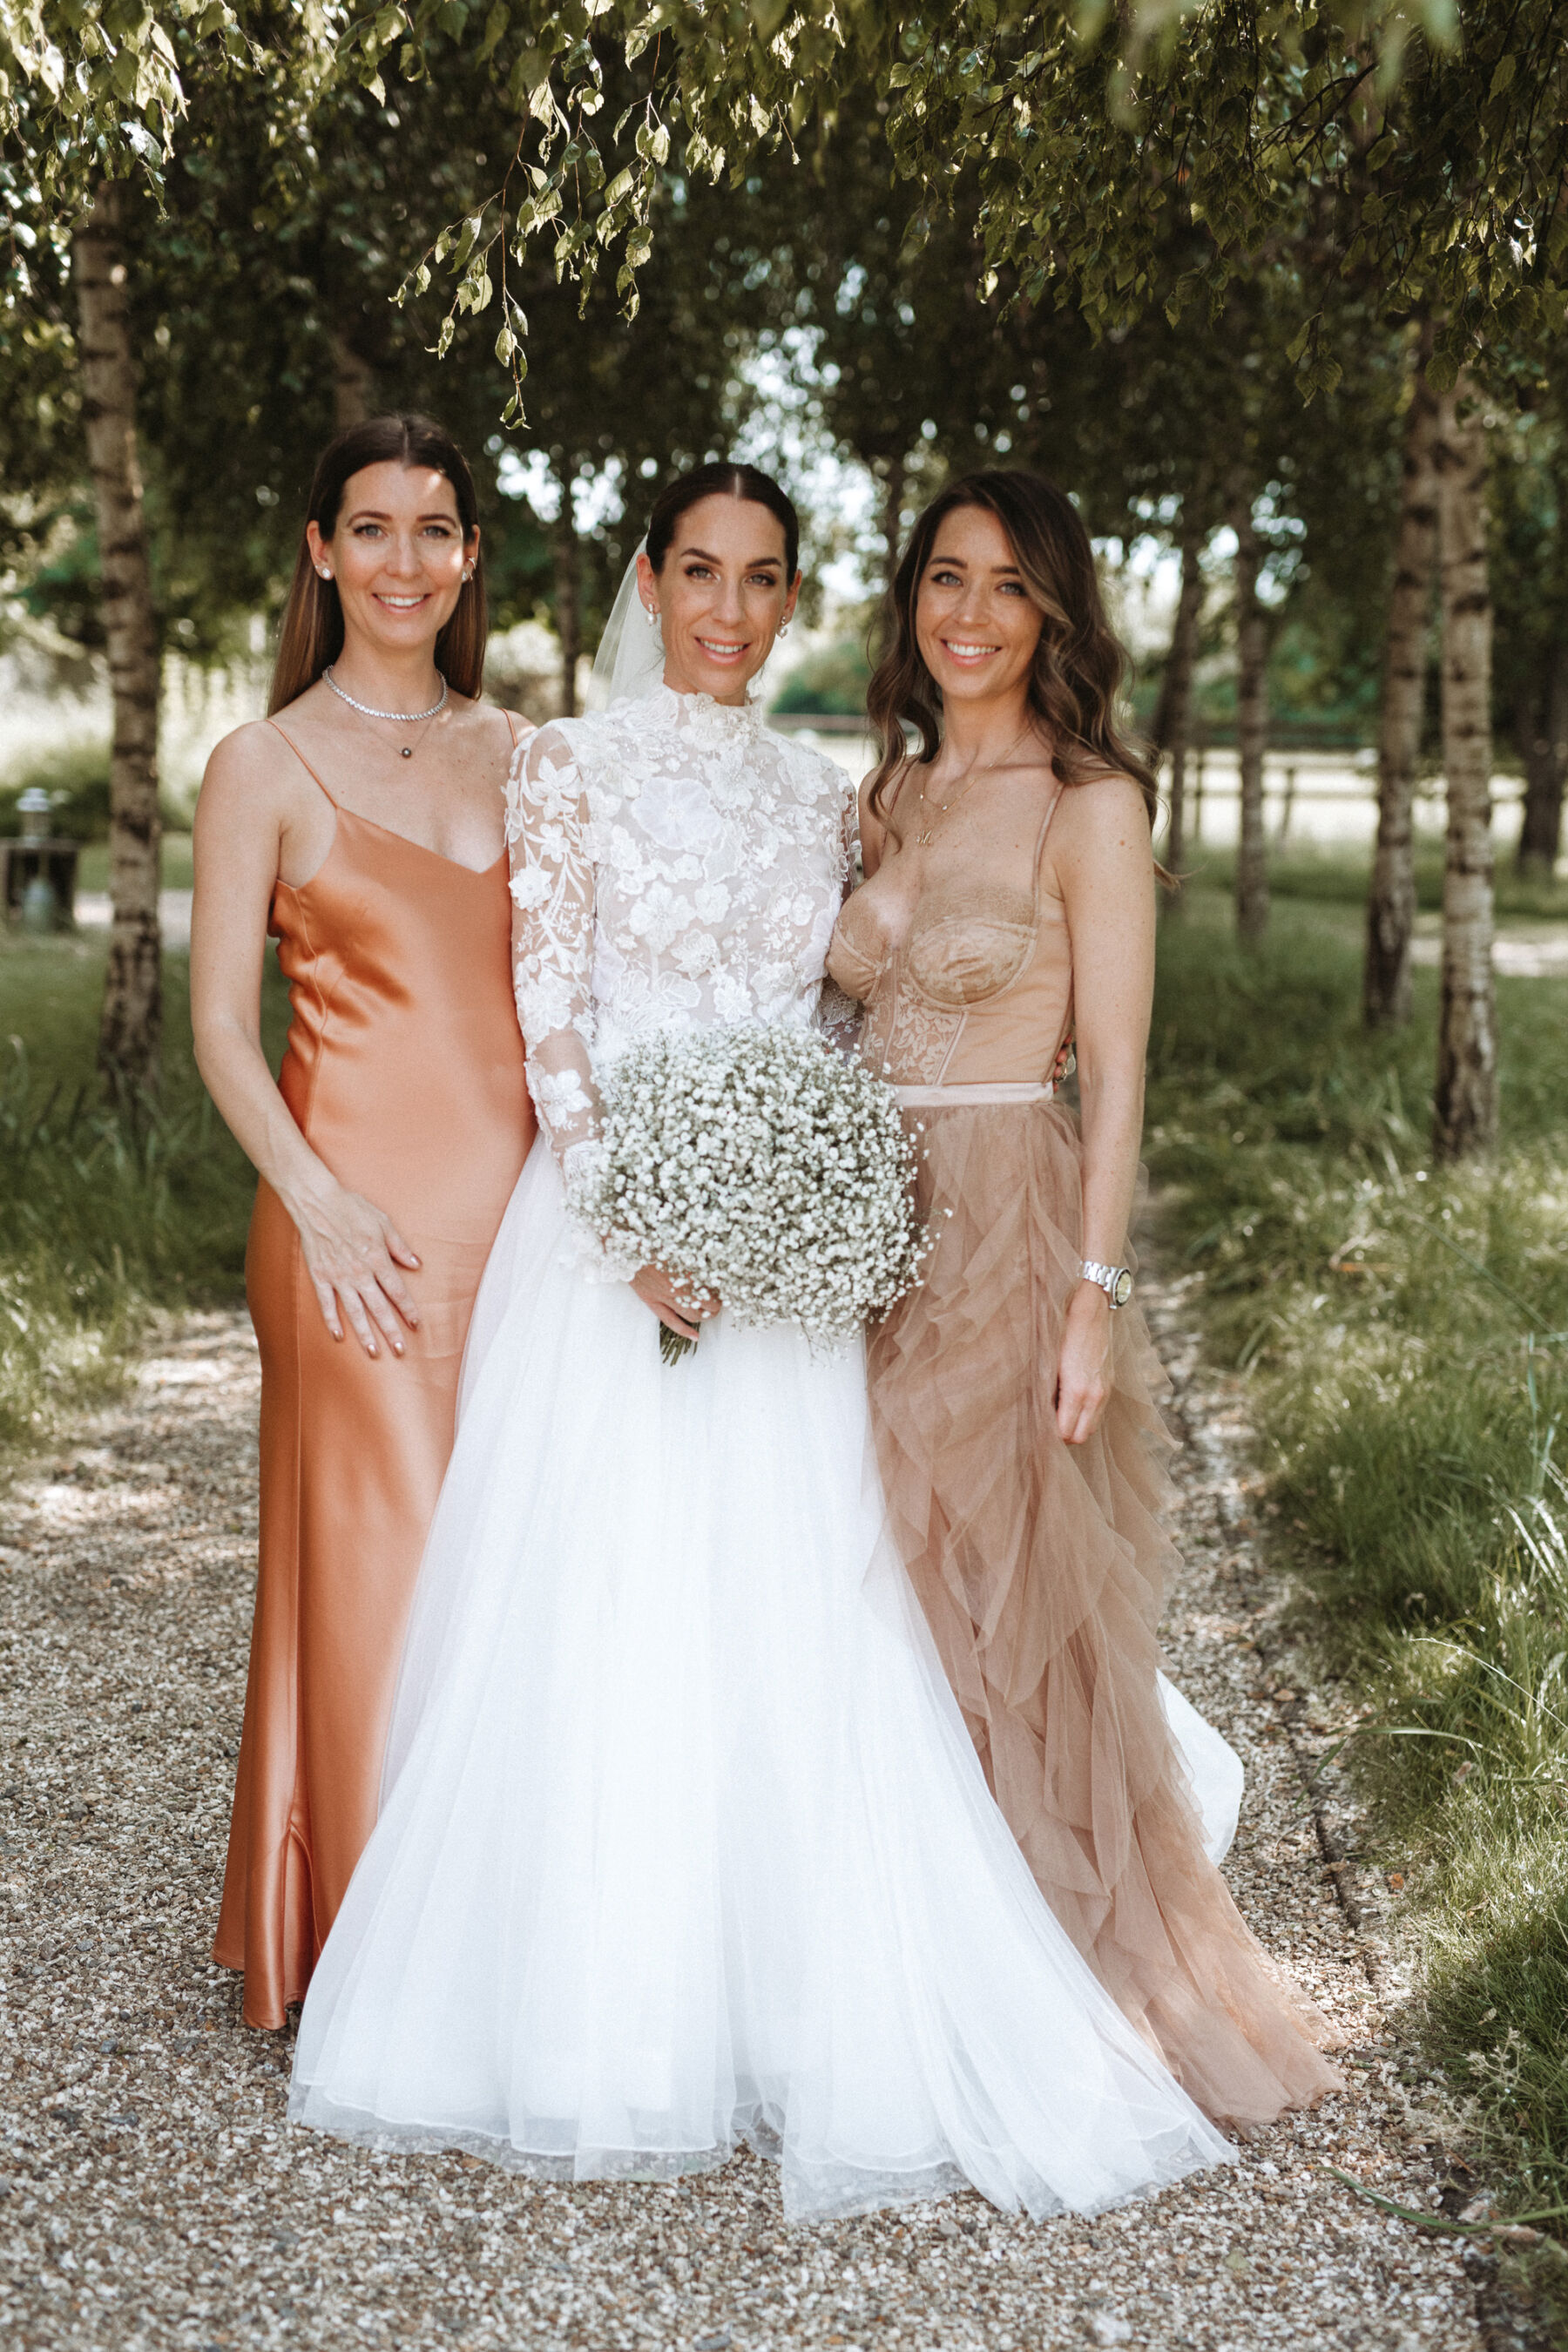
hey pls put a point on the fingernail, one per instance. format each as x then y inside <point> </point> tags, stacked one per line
<point>397,1346</point>
<point>370,1350</point>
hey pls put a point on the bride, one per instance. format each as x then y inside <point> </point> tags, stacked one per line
<point>683,1840</point>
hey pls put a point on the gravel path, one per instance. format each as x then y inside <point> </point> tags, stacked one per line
<point>150,2195</point>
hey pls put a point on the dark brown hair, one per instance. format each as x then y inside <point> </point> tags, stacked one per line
<point>1079,664</point>
<point>720,480</point>
<point>312,631</point>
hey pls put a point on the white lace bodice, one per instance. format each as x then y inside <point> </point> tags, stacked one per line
<point>674,863</point>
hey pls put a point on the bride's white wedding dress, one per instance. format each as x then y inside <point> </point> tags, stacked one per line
<point>683,1840</point>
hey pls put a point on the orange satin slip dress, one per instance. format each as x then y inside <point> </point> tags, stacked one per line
<point>405,1071</point>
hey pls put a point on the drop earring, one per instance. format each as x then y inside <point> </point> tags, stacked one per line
<point>652,612</point>
<point>784,629</point>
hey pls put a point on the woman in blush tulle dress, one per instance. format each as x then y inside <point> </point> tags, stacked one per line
<point>683,1839</point>
<point>1010,902</point>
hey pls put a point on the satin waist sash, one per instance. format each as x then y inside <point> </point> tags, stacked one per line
<point>979,1095</point>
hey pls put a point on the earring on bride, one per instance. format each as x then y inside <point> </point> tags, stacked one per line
<point>652,612</point>
<point>783,629</point>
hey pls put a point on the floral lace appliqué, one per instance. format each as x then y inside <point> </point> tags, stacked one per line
<point>674,863</point>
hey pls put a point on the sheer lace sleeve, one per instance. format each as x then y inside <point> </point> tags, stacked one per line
<point>838,1016</point>
<point>552,944</point>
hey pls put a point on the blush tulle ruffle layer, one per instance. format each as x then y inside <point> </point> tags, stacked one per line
<point>1041,1569</point>
<point>683,1840</point>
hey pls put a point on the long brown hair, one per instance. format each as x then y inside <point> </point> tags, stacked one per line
<point>1079,664</point>
<point>312,631</point>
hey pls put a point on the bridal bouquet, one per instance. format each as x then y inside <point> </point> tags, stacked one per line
<point>762,1168</point>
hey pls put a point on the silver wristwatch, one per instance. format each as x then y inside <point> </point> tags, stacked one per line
<point>1116,1281</point>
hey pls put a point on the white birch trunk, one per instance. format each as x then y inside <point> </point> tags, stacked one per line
<point>131,1031</point>
<point>1251,729</point>
<point>1391,901</point>
<point>1466,1095</point>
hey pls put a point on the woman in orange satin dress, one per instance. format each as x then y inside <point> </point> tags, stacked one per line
<point>1009,900</point>
<point>361,826</point>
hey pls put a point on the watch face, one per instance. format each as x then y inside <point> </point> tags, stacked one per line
<point>1122,1291</point>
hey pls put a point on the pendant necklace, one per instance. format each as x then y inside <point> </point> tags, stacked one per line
<point>401,718</point>
<point>924,838</point>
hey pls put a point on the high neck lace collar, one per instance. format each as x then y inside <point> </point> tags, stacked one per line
<point>672,706</point>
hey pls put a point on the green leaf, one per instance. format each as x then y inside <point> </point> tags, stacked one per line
<point>1502,77</point>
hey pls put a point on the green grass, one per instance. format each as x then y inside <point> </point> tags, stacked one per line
<point>1338,876</point>
<point>1405,1333</point>
<point>106,1214</point>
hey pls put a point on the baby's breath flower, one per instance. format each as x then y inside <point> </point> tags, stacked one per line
<point>761,1167</point>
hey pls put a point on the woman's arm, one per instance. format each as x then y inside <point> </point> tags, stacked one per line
<point>553,976</point>
<point>352,1251</point>
<point>1103,862</point>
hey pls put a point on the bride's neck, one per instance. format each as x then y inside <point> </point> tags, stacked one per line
<point>734,698</point>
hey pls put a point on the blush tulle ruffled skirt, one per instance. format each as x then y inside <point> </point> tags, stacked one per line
<point>683,1841</point>
<point>1041,1569</point>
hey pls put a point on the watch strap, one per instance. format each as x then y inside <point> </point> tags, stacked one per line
<point>1116,1281</point>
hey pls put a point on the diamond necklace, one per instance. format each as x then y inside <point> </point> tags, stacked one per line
<point>403,718</point>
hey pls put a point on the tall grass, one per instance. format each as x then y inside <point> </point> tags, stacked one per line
<point>108,1211</point>
<point>1405,1332</point>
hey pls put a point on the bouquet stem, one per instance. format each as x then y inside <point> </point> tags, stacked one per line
<point>672,1346</point>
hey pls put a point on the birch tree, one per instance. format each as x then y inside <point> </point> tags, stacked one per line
<point>1466,1106</point>
<point>1391,901</point>
<point>131,1031</point>
<point>1251,723</point>
<point>1173,725</point>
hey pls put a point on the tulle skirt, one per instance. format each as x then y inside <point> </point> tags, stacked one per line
<point>683,1840</point>
<point>1040,1569</point>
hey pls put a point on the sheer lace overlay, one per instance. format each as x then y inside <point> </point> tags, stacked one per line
<point>674,863</point>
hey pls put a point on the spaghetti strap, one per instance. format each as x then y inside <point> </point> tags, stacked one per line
<point>320,787</point>
<point>510,727</point>
<point>1045,828</point>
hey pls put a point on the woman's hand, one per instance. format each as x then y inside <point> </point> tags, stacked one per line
<point>351,1255</point>
<point>678,1307</point>
<point>1083,1375</point>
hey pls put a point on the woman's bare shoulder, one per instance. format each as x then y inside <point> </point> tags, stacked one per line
<point>253,758</point>
<point>254,777</point>
<point>1102,813</point>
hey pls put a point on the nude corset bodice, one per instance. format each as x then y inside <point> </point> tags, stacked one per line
<point>963,983</point>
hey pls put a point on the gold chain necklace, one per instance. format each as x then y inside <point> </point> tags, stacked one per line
<point>924,838</point>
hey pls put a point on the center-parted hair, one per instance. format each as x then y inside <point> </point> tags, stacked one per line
<point>723,479</point>
<point>312,631</point>
<point>1079,664</point>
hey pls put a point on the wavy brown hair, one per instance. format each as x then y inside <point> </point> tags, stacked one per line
<point>1079,664</point>
<point>312,631</point>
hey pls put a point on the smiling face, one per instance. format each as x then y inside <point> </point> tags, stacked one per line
<point>721,597</point>
<point>975,623</point>
<point>397,555</point>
